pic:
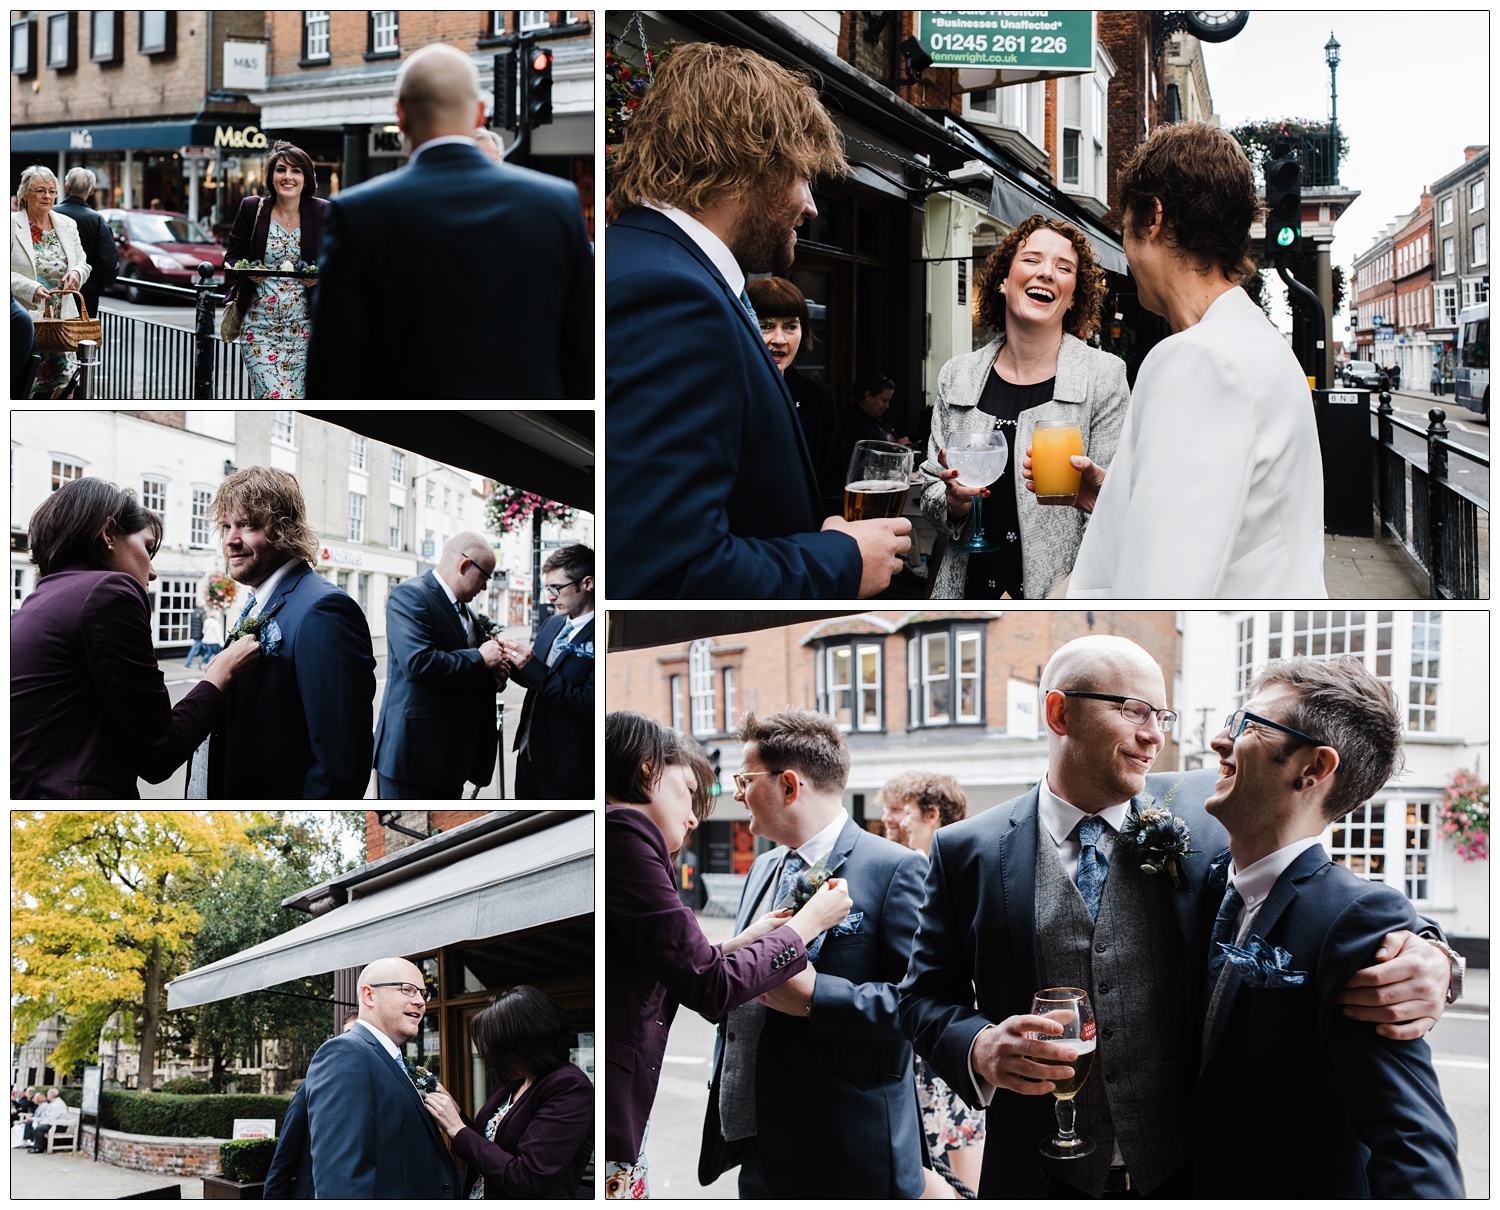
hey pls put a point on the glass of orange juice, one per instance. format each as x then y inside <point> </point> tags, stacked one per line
<point>1053,442</point>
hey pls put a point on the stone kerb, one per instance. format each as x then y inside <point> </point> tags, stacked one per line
<point>154,1153</point>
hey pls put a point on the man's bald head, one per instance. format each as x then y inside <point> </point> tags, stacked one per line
<point>437,93</point>
<point>386,1008</point>
<point>1090,661</point>
<point>466,564</point>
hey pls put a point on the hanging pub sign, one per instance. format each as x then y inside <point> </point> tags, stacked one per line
<point>1038,44</point>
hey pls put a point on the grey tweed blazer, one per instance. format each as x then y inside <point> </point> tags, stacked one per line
<point>1090,389</point>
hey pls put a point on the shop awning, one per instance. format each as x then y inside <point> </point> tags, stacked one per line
<point>146,136</point>
<point>1012,203</point>
<point>534,880</point>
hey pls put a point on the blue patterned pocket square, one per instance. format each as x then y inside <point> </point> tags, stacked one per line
<point>1263,965</point>
<point>849,924</point>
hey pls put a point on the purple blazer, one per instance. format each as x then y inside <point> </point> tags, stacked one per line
<point>543,1143</point>
<point>247,238</point>
<point>658,957</point>
<point>89,709</point>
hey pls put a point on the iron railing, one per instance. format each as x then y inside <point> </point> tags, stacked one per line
<point>1318,153</point>
<point>1437,520</point>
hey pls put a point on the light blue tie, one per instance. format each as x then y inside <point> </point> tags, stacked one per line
<point>558,643</point>
<point>249,605</point>
<point>745,302</point>
<point>1092,865</point>
<point>790,868</point>
<point>1223,934</point>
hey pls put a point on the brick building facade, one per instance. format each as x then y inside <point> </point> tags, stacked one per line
<point>1411,256</point>
<point>954,691</point>
<point>381,840</point>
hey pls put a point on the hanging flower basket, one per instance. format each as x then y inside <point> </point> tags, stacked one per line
<point>1466,815</point>
<point>625,85</point>
<point>510,508</point>
<point>221,592</point>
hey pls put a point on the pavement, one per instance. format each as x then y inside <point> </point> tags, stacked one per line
<point>74,1176</point>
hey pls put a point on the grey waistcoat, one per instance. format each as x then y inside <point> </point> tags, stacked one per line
<point>1130,961</point>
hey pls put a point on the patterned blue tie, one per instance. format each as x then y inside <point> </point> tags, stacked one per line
<point>1092,864</point>
<point>745,302</point>
<point>1224,931</point>
<point>249,605</point>
<point>790,868</point>
<point>563,636</point>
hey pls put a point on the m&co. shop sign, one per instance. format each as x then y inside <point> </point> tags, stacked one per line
<point>241,139</point>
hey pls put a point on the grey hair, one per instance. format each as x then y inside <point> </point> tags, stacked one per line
<point>30,174</point>
<point>80,182</point>
<point>485,135</point>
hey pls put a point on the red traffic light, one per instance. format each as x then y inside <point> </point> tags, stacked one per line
<point>541,61</point>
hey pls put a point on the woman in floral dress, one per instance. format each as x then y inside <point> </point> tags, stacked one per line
<point>46,257</point>
<point>283,230</point>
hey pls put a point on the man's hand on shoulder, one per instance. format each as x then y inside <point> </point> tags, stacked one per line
<point>1006,1055</point>
<point>1404,993</point>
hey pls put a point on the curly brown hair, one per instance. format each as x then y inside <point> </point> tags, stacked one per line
<point>270,499</point>
<point>1206,186</point>
<point>1081,318</point>
<point>722,120</point>
<point>934,793</point>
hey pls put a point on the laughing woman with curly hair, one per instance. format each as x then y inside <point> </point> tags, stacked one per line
<point>1040,290</point>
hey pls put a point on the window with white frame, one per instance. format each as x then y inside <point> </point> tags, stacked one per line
<point>356,517</point>
<point>1445,211</point>
<point>1476,195</point>
<point>154,495</point>
<point>1426,668</point>
<point>356,452</point>
<point>1481,246</point>
<point>65,470</point>
<point>1358,841</point>
<point>383,32</point>
<point>533,18</point>
<point>967,660</point>
<point>936,703</point>
<point>945,676</point>
<point>200,535</point>
<point>398,468</point>
<point>17,587</point>
<point>1420,816</point>
<point>497,22</point>
<point>731,700</point>
<point>701,687</point>
<point>1475,290</point>
<point>674,692</point>
<point>362,591</point>
<point>431,492</point>
<point>1100,137</point>
<point>315,33</point>
<point>1072,128</point>
<point>1017,105</point>
<point>1448,249</point>
<point>447,499</point>
<point>852,678</point>
<point>1394,840</point>
<point>175,599</point>
<point>396,511</point>
<point>1244,659</point>
<point>282,429</point>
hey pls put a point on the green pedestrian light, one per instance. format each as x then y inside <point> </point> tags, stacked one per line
<point>1286,237</point>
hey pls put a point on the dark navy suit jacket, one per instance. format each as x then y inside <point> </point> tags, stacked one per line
<point>543,1143</point>
<point>290,1173</point>
<point>1294,1099</point>
<point>836,1107</point>
<point>662,959</point>
<point>557,719</point>
<point>976,961</point>
<point>299,722</point>
<point>712,492</point>
<point>98,248</point>
<point>437,720</point>
<point>369,1134</point>
<point>89,710</point>
<point>454,278</point>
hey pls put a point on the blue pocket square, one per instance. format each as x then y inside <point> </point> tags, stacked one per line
<point>850,924</point>
<point>1263,965</point>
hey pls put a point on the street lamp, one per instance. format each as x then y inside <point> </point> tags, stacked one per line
<point>1331,54</point>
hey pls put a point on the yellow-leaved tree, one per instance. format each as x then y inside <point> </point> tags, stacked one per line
<point>100,917</point>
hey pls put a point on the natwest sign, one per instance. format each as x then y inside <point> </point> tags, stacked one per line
<point>246,137</point>
<point>348,558</point>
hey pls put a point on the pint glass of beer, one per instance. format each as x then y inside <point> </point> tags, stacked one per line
<point>1070,1008</point>
<point>1055,478</point>
<point>879,474</point>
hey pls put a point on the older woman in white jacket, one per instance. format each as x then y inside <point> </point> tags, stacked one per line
<point>46,257</point>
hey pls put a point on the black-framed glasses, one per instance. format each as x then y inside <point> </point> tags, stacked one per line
<point>410,990</point>
<point>1235,725</point>
<point>554,589</point>
<point>484,578</point>
<point>742,780</point>
<point>1132,709</point>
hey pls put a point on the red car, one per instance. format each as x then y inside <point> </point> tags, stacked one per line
<point>161,247</point>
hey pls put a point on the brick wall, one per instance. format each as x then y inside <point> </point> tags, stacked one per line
<point>379,842</point>
<point>1127,37</point>
<point>348,36</point>
<point>146,1153</point>
<point>176,420</point>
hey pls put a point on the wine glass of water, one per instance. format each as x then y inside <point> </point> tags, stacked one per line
<point>979,459</point>
<point>1070,1008</point>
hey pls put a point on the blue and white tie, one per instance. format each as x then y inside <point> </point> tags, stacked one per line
<point>745,302</point>
<point>249,605</point>
<point>559,642</point>
<point>1092,865</point>
<point>1223,934</point>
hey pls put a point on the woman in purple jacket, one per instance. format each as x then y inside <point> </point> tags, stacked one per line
<point>657,955</point>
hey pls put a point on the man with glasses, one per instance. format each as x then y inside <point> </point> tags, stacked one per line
<point>555,738</point>
<point>368,1130</point>
<point>1336,1111</point>
<point>1035,893</point>
<point>437,721</point>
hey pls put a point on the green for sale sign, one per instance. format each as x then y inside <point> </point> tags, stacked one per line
<point>1060,41</point>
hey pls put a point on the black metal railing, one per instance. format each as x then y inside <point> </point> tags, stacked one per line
<point>1441,527</point>
<point>141,359</point>
<point>1317,152</point>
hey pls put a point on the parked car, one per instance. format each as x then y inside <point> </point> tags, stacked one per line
<point>1362,374</point>
<point>161,247</point>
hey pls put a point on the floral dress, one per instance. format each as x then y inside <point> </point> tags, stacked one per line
<point>51,267</point>
<point>275,327</point>
<point>490,1130</point>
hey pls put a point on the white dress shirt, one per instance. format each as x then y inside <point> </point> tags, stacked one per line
<point>268,585</point>
<point>713,247</point>
<point>817,847</point>
<point>390,1047</point>
<point>1255,881</point>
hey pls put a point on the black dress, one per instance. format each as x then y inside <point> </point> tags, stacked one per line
<point>999,571</point>
<point>820,425</point>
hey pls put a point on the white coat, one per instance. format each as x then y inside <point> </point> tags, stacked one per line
<point>23,280</point>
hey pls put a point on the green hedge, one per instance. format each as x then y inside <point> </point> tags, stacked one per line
<point>160,1113</point>
<point>187,1086</point>
<point>246,1160</point>
<point>73,1095</point>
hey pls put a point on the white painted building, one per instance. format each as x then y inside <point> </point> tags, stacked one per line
<point>1437,661</point>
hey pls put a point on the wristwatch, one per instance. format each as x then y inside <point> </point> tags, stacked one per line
<point>1456,964</point>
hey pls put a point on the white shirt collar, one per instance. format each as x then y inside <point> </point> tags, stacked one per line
<point>713,247</point>
<point>438,142</point>
<point>390,1047</point>
<point>1255,881</point>
<point>1060,817</point>
<point>268,585</point>
<point>443,584</point>
<point>817,847</point>
<point>578,623</point>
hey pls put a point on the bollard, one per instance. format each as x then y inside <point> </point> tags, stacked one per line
<point>1384,414</point>
<point>203,345</point>
<point>88,363</point>
<point>1437,452</point>
<point>1437,468</point>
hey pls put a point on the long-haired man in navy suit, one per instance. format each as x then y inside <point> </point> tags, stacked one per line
<point>453,277</point>
<point>711,487</point>
<point>368,1131</point>
<point>437,719</point>
<point>299,723</point>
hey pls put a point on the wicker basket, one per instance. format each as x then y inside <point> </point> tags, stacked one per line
<point>58,335</point>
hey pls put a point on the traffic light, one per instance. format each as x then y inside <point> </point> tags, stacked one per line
<point>507,116</point>
<point>1283,204</point>
<point>713,758</point>
<point>538,86</point>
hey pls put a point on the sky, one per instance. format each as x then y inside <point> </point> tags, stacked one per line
<point>1413,92</point>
